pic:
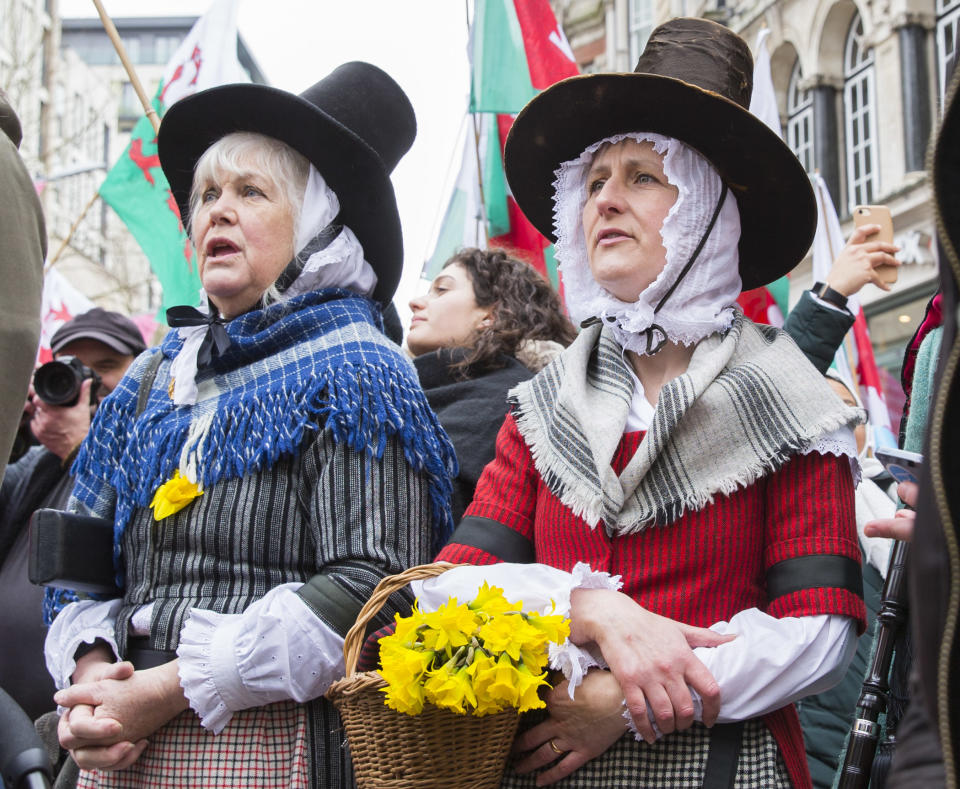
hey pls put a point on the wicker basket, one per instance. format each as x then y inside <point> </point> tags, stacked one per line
<point>435,749</point>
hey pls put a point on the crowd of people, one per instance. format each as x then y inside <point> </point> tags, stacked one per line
<point>278,453</point>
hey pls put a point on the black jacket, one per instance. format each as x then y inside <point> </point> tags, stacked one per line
<point>471,412</point>
<point>818,330</point>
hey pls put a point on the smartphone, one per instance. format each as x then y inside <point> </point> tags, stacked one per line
<point>878,215</point>
<point>903,466</point>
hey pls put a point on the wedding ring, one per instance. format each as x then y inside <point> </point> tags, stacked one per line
<point>554,748</point>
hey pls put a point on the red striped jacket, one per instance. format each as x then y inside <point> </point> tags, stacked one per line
<point>786,544</point>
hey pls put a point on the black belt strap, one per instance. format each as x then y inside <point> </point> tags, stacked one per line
<point>725,742</point>
<point>817,571</point>
<point>143,657</point>
<point>495,538</point>
<point>146,383</point>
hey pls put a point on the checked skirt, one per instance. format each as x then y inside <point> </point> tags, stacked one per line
<point>261,747</point>
<point>676,761</point>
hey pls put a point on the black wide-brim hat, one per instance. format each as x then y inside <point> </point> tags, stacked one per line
<point>692,82</point>
<point>354,125</point>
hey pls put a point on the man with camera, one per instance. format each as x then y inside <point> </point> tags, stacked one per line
<point>91,354</point>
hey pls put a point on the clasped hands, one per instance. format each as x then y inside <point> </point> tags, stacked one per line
<point>112,709</point>
<point>652,670</point>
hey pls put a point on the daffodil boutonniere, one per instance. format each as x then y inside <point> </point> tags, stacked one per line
<point>173,495</point>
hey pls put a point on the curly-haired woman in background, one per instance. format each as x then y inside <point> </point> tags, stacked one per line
<point>488,322</point>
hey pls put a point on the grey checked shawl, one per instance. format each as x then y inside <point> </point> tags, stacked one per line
<point>747,402</point>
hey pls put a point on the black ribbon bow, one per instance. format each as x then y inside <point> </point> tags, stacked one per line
<point>215,342</point>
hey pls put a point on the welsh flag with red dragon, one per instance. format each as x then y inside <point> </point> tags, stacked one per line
<point>136,188</point>
<point>517,50</point>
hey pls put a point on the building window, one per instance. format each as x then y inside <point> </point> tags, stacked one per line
<point>800,119</point>
<point>948,14</point>
<point>130,109</point>
<point>639,26</point>
<point>165,47</point>
<point>133,44</point>
<point>859,117</point>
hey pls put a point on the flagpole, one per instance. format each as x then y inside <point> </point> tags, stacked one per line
<point>111,29</point>
<point>483,202</point>
<point>476,145</point>
<point>73,229</point>
<point>151,113</point>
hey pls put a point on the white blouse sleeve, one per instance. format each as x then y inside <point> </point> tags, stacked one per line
<point>773,662</point>
<point>78,623</point>
<point>277,649</point>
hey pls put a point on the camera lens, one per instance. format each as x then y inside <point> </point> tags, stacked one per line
<point>58,383</point>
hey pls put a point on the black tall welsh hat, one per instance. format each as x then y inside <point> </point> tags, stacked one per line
<point>354,125</point>
<point>692,82</point>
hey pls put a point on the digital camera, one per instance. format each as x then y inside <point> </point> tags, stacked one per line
<point>58,382</point>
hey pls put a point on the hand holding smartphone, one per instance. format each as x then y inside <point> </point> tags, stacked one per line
<point>878,215</point>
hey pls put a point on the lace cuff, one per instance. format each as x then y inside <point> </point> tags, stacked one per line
<point>195,652</point>
<point>78,623</point>
<point>840,442</point>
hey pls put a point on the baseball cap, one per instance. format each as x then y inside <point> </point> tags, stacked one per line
<point>110,328</point>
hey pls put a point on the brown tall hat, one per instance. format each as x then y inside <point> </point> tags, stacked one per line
<point>692,82</point>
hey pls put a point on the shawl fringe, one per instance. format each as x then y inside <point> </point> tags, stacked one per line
<point>341,374</point>
<point>748,402</point>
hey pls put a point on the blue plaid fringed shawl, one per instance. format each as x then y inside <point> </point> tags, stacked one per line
<point>318,361</point>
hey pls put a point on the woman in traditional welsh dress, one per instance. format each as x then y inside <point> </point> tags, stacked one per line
<point>267,465</point>
<point>696,462</point>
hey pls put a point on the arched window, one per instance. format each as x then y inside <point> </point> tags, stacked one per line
<point>859,115</point>
<point>800,119</point>
<point>948,14</point>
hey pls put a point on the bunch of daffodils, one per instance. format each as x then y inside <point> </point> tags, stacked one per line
<point>479,658</point>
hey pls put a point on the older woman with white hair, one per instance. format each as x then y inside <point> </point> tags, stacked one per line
<point>696,462</point>
<point>267,465</point>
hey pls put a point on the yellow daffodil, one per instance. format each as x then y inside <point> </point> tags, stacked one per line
<point>490,601</point>
<point>450,625</point>
<point>173,495</point>
<point>510,634</point>
<point>450,688</point>
<point>406,698</point>
<point>554,626</point>
<point>402,665</point>
<point>407,626</point>
<point>527,686</point>
<point>503,685</point>
<point>483,671</point>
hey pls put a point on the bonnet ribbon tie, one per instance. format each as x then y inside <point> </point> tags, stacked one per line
<point>215,341</point>
<point>651,331</point>
<point>696,252</point>
<point>319,242</point>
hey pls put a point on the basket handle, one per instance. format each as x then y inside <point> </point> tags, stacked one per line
<point>387,586</point>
